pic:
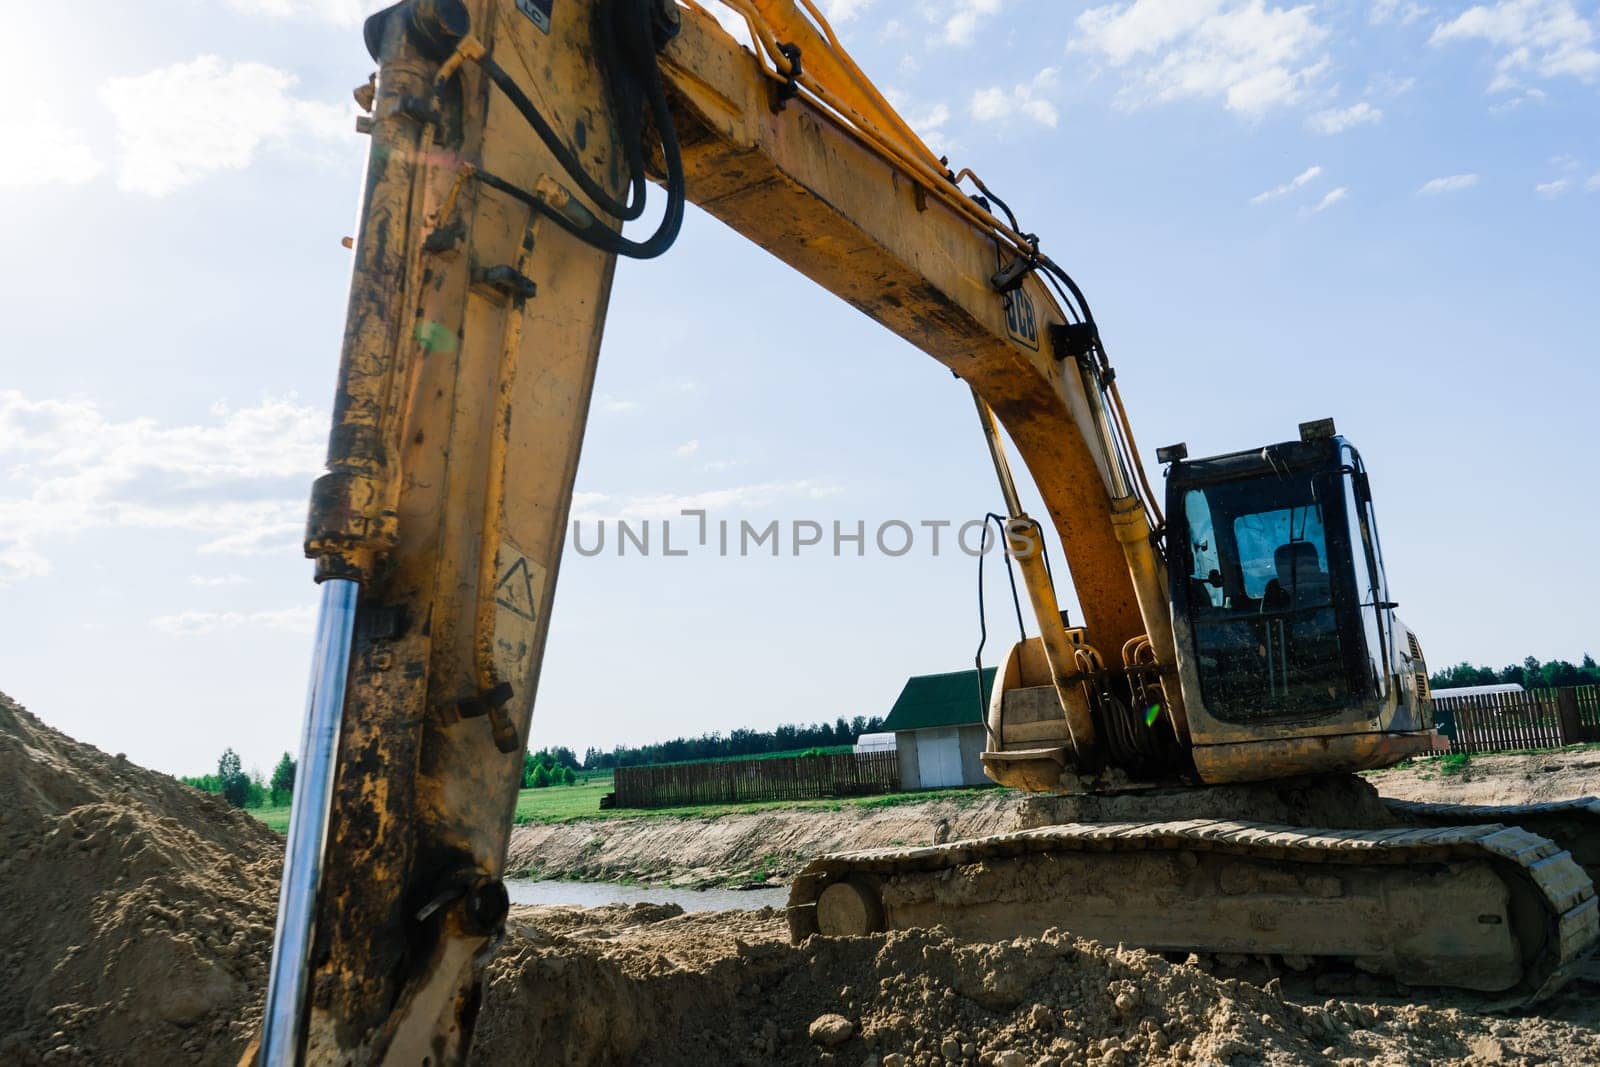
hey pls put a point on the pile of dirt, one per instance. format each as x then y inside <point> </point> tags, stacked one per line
<point>136,923</point>
<point>137,915</point>
<point>654,985</point>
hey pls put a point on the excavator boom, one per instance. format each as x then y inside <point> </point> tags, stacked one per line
<point>483,265</point>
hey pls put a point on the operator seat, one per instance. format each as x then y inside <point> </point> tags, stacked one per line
<point>1300,580</point>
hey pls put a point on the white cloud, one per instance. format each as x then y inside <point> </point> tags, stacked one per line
<point>928,123</point>
<point>301,620</point>
<point>1339,119</point>
<point>237,484</point>
<point>1403,12</point>
<point>1333,197</point>
<point>845,10</point>
<point>1251,56</point>
<point>687,449</point>
<point>731,21</point>
<point>1525,94</point>
<point>337,12</point>
<point>962,27</point>
<point>616,405</point>
<point>735,498</point>
<point>212,581</point>
<point>1452,183</point>
<point>1390,85</point>
<point>592,507</point>
<point>1306,176</point>
<point>42,150</point>
<point>995,104</point>
<point>1593,184</point>
<point>1539,38</point>
<point>182,123</point>
<point>931,120</point>
<point>1553,189</point>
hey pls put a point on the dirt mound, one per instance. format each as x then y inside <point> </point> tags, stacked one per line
<point>135,926</point>
<point>137,915</point>
<point>626,985</point>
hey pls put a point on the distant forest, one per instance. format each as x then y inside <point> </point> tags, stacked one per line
<point>737,743</point>
<point>1530,674</point>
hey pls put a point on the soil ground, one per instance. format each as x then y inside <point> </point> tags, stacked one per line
<point>1522,778</point>
<point>135,923</point>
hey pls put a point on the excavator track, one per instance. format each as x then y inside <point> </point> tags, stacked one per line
<point>1490,908</point>
<point>1572,824</point>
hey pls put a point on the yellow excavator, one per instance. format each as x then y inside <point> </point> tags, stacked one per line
<point>1189,745</point>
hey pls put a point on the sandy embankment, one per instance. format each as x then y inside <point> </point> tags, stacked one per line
<point>762,846</point>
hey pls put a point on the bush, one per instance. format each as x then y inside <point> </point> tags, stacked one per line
<point>541,776</point>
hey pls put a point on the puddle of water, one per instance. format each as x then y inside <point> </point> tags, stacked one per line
<point>594,894</point>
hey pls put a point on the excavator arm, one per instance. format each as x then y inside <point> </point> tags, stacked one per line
<point>509,140</point>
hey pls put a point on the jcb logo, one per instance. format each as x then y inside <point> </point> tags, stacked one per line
<point>1022,323</point>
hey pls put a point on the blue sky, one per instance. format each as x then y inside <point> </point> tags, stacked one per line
<point>1382,212</point>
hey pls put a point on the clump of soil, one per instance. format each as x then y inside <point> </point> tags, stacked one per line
<point>137,912</point>
<point>631,985</point>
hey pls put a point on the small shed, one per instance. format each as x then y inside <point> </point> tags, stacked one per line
<point>938,727</point>
<point>883,742</point>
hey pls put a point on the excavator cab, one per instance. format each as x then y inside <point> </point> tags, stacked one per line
<point>1289,649</point>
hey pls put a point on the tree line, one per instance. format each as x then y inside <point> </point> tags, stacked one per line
<point>1530,674</point>
<point>247,790</point>
<point>786,738</point>
<point>560,765</point>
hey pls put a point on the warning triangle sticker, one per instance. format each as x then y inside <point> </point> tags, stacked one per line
<point>514,590</point>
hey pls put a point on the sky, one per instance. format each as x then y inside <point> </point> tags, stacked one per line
<point>1382,212</point>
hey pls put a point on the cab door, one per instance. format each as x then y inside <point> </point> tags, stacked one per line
<point>1372,584</point>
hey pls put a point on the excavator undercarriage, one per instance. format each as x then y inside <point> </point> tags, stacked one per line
<point>1427,895</point>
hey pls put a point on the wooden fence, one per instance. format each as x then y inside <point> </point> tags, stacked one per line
<point>846,774</point>
<point>1537,718</point>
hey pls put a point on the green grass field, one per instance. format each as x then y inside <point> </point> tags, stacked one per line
<point>581,803</point>
<point>578,803</point>
<point>275,818</point>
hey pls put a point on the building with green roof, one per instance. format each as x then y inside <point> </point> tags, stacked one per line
<point>938,724</point>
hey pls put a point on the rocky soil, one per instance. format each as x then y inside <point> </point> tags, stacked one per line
<point>135,923</point>
<point>653,985</point>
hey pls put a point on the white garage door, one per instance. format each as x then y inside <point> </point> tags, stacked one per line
<point>939,757</point>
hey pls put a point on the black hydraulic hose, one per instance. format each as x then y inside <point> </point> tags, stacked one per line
<point>570,163</point>
<point>1016,601</point>
<point>629,55</point>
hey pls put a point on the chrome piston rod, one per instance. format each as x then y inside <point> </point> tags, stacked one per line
<point>284,1015</point>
